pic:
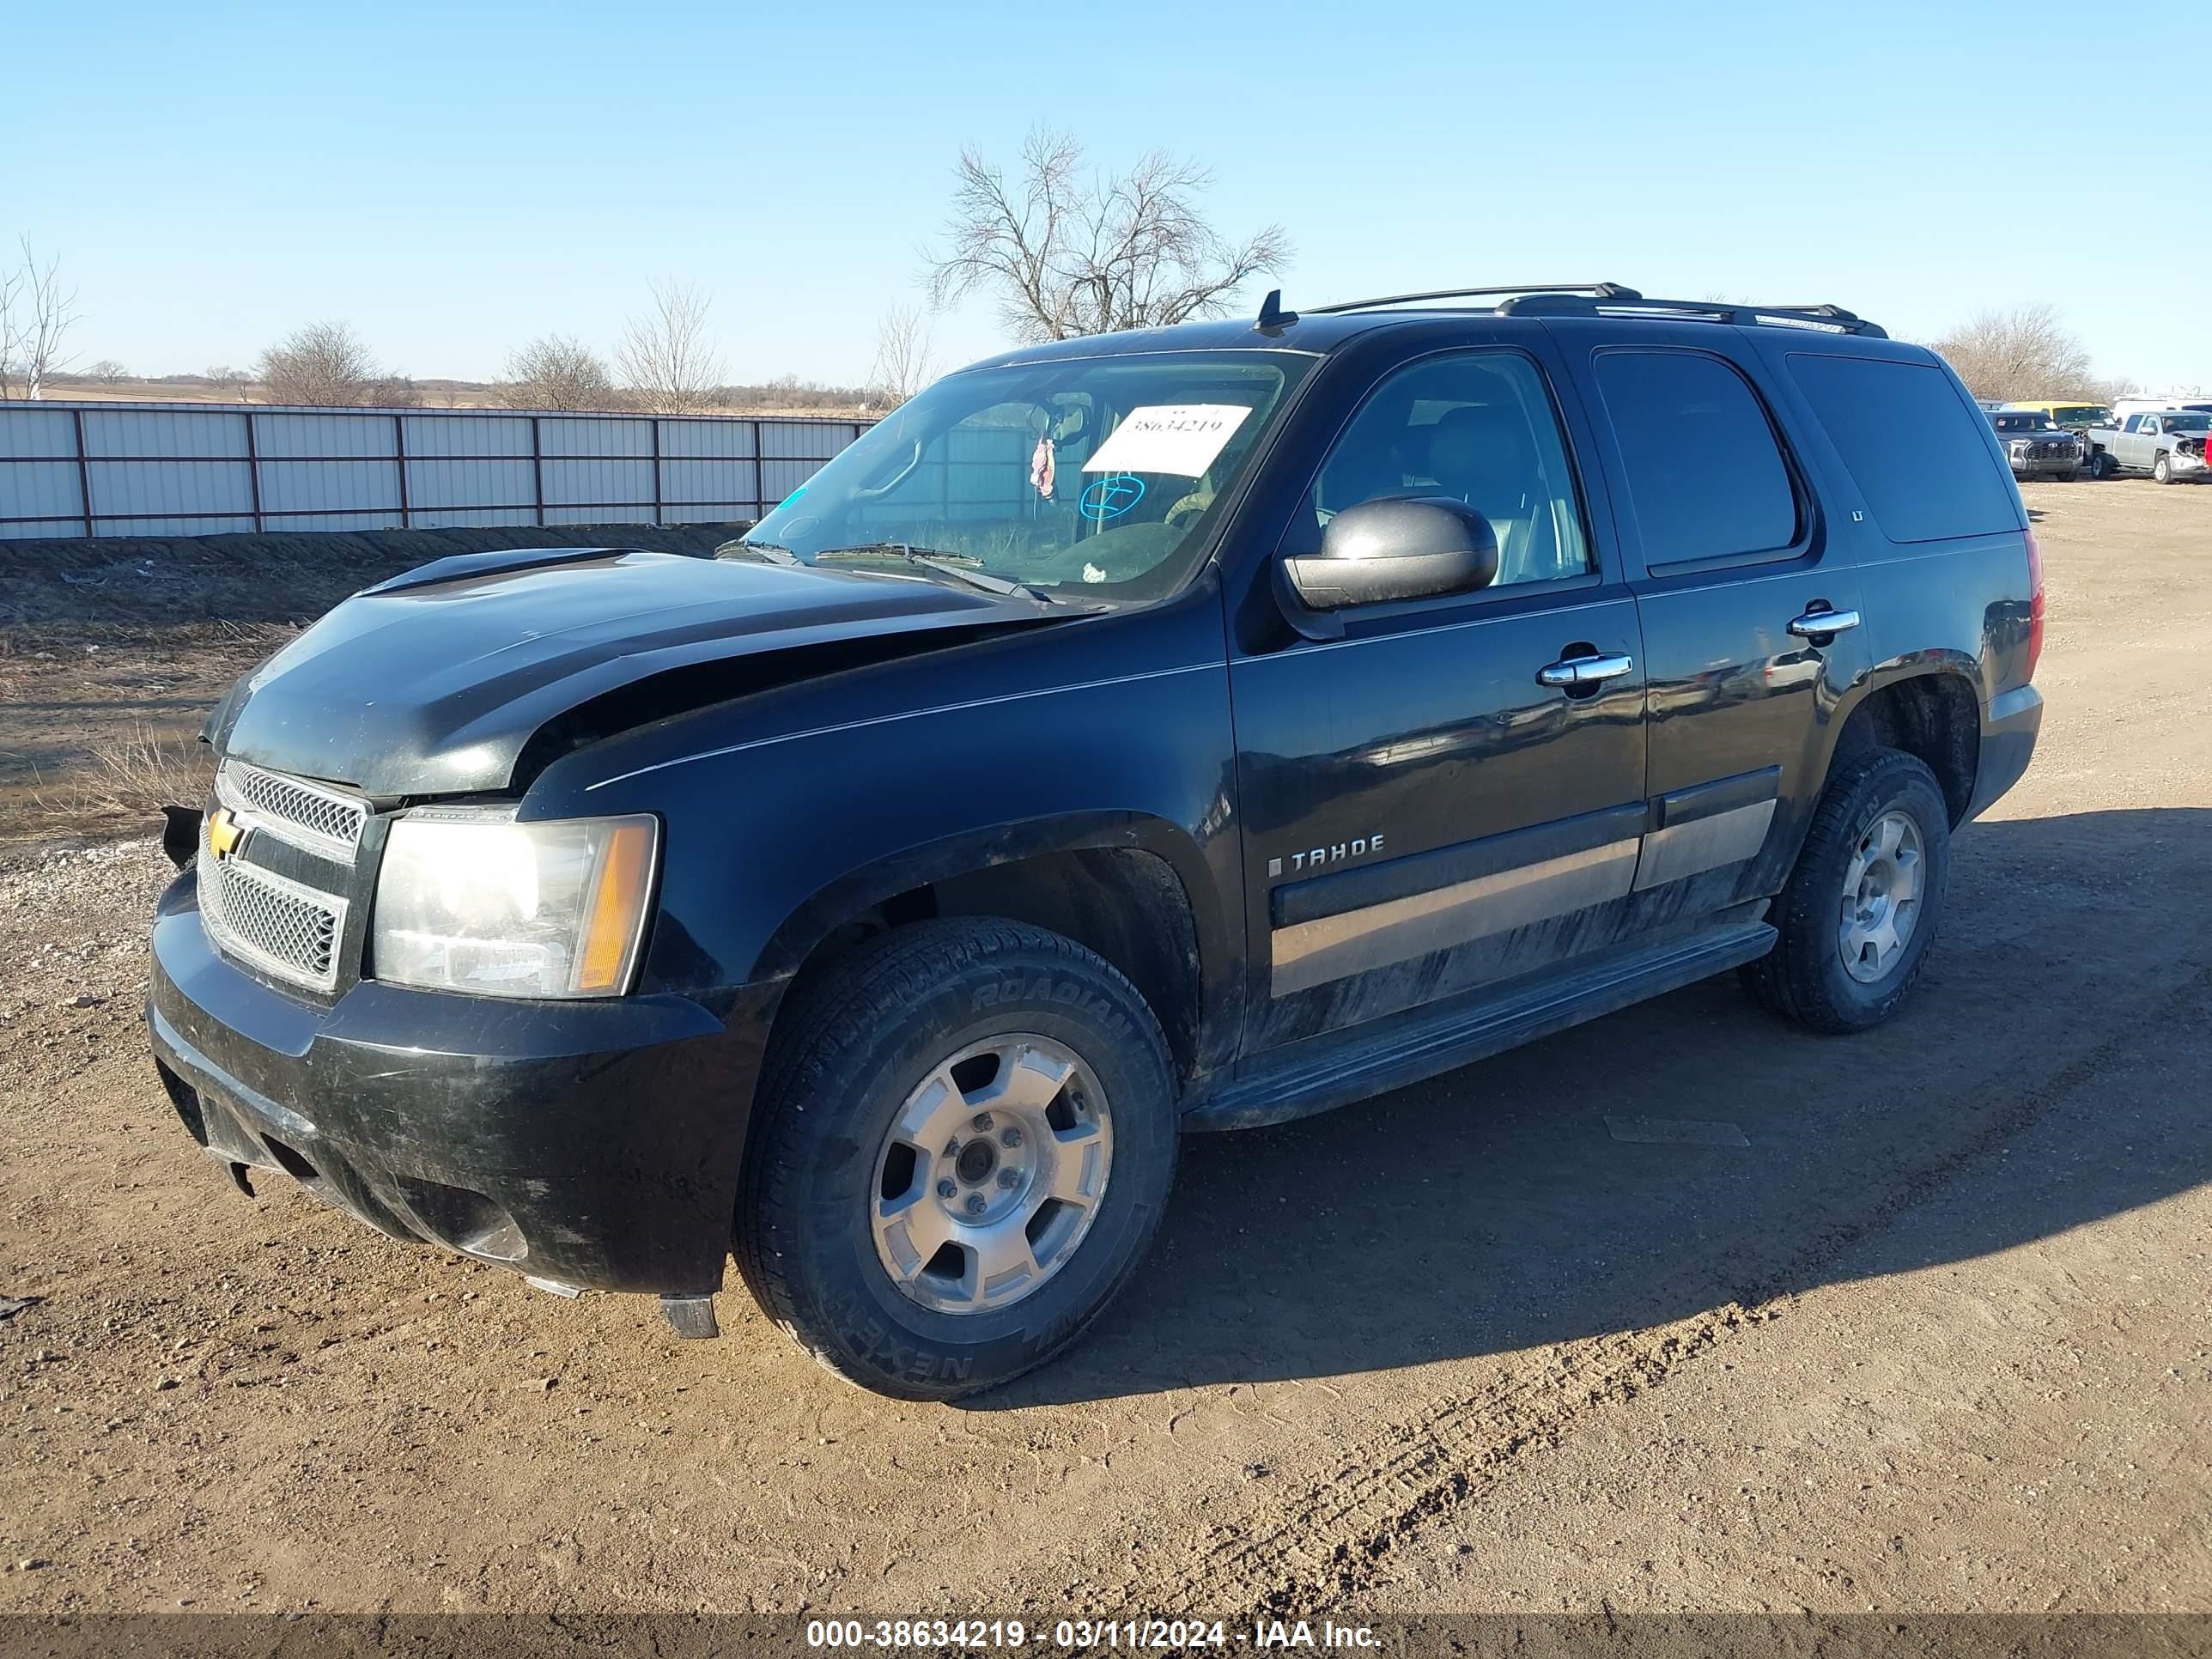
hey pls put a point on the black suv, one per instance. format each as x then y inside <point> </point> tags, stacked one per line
<point>1177,730</point>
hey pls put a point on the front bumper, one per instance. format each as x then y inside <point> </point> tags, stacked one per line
<point>2186,466</point>
<point>589,1144</point>
<point>2058,469</point>
<point>2009,724</point>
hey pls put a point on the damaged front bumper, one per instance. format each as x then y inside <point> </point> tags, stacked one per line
<point>584,1144</point>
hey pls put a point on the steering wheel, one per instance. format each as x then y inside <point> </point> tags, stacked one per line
<point>1186,511</point>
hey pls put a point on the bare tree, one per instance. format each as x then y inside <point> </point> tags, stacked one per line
<point>323,363</point>
<point>395,392</point>
<point>235,381</point>
<point>1065,252</point>
<point>667,364</point>
<point>36,314</point>
<point>903,363</point>
<point>553,372</point>
<point>108,372</point>
<point>2025,352</point>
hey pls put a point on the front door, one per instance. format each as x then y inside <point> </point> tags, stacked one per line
<point>1422,812</point>
<point>2138,444</point>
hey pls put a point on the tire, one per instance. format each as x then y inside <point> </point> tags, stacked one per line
<point>875,1047</point>
<point>1804,979</point>
<point>2162,470</point>
<point>2101,465</point>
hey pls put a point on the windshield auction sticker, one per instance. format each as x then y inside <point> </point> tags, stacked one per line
<point>1179,438</point>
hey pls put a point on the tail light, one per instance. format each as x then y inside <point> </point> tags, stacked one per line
<point>2034,603</point>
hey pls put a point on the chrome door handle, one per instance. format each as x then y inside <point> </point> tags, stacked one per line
<point>1584,671</point>
<point>1824,623</point>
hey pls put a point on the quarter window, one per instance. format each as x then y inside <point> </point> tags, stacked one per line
<point>1703,471</point>
<point>1910,441</point>
<point>1478,428</point>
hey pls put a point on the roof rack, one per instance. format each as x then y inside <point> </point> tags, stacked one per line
<point>1603,300</point>
<point>1822,318</point>
<point>1593,290</point>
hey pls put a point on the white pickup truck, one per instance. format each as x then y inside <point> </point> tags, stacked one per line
<point>2166,443</point>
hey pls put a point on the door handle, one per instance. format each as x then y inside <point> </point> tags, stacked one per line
<point>1576,672</point>
<point>1824,623</point>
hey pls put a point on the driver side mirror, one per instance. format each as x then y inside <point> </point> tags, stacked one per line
<point>1416,548</point>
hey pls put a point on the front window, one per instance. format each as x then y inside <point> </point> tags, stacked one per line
<point>1477,427</point>
<point>1098,476</point>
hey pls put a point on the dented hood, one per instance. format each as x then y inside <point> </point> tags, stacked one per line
<point>433,683</point>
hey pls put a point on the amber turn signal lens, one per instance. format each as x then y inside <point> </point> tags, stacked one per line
<point>618,896</point>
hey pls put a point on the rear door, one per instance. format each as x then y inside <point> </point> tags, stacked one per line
<point>1732,564</point>
<point>1422,814</point>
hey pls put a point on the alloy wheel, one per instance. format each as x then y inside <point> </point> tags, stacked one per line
<point>1881,897</point>
<point>991,1174</point>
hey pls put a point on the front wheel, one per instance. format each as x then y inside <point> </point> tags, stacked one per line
<point>1862,907</point>
<point>2162,470</point>
<point>966,1137</point>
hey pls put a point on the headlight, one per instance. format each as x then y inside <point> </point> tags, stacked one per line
<point>469,899</point>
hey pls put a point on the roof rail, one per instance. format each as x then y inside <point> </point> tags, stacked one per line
<point>1822,318</point>
<point>1593,290</point>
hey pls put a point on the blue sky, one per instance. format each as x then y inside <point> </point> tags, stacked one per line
<point>454,178</point>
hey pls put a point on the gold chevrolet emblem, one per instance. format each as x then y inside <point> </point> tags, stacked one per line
<point>225,835</point>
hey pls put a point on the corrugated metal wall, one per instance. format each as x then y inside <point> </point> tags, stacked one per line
<point>198,469</point>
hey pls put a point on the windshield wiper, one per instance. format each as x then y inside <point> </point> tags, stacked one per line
<point>898,551</point>
<point>745,552</point>
<point>960,567</point>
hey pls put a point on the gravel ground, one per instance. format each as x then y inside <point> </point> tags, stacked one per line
<point>1934,1337</point>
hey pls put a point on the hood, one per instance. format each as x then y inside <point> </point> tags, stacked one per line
<point>435,682</point>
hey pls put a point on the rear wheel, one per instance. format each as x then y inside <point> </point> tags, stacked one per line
<point>2101,465</point>
<point>1863,903</point>
<point>966,1137</point>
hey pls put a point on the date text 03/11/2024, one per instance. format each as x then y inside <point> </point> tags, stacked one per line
<point>1085,1635</point>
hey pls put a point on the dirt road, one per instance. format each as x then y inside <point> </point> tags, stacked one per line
<point>1928,1330</point>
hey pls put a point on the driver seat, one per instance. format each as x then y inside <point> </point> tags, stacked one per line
<point>1480,454</point>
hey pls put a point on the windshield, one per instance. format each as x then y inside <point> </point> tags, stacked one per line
<point>1095,474</point>
<point>2187,422</point>
<point>2006,421</point>
<point>2082,415</point>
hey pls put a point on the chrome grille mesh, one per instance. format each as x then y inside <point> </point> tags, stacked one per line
<point>279,926</point>
<point>307,814</point>
<point>288,928</point>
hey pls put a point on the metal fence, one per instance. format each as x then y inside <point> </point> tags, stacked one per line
<point>102,469</point>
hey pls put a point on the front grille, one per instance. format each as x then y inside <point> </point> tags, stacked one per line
<point>306,814</point>
<point>274,899</point>
<point>2051,452</point>
<point>277,925</point>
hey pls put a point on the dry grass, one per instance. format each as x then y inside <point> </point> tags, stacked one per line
<point>125,782</point>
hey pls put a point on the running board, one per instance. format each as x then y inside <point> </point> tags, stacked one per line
<point>1335,1071</point>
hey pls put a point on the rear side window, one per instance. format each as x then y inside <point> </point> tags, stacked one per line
<point>1702,468</point>
<point>1912,444</point>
